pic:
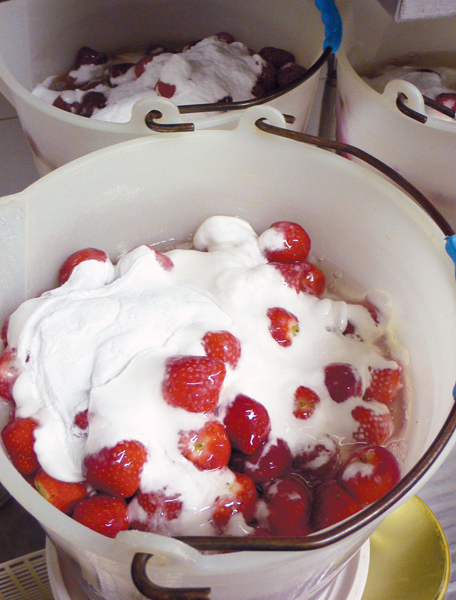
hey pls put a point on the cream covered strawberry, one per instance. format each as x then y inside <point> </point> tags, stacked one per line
<point>199,391</point>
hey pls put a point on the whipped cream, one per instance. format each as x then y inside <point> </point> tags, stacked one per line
<point>100,342</point>
<point>207,72</point>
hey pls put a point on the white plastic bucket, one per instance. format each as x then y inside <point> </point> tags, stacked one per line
<point>162,187</point>
<point>423,153</point>
<point>39,38</point>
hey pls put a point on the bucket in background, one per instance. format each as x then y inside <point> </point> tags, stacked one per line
<point>421,152</point>
<point>129,194</point>
<point>39,38</point>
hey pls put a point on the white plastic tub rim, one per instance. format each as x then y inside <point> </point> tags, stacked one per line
<point>256,159</point>
<point>57,137</point>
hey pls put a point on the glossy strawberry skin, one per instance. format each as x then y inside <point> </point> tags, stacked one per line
<point>78,257</point>
<point>247,424</point>
<point>313,280</point>
<point>241,498</point>
<point>208,448</point>
<point>332,504</point>
<point>374,428</point>
<point>61,494</point>
<point>268,462</point>
<point>193,382</point>
<point>342,382</point>
<point>370,473</point>
<point>8,373</point>
<point>384,385</point>
<point>103,514</point>
<point>305,402</point>
<point>289,502</point>
<point>19,438</point>
<point>317,463</point>
<point>283,325</point>
<point>223,346</point>
<point>294,247</point>
<point>166,90</point>
<point>116,470</point>
<point>168,507</point>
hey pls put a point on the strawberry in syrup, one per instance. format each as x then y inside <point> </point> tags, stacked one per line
<point>8,373</point>
<point>241,497</point>
<point>305,402</point>
<point>78,257</point>
<point>61,494</point>
<point>283,325</point>
<point>285,242</point>
<point>374,427</point>
<point>342,382</point>
<point>384,385</point>
<point>289,504</point>
<point>268,462</point>
<point>247,424</point>
<point>331,504</point>
<point>19,439</point>
<point>208,448</point>
<point>103,514</point>
<point>223,346</point>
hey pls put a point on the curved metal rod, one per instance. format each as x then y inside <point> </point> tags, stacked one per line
<point>413,114</point>
<point>445,110</point>
<point>165,127</point>
<point>409,188</point>
<point>242,104</point>
<point>156,592</point>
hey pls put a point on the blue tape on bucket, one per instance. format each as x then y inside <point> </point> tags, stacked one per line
<point>450,247</point>
<point>333,24</point>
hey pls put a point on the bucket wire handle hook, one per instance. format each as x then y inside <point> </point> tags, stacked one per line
<point>409,112</point>
<point>156,592</point>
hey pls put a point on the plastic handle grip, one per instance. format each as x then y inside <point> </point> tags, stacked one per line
<point>450,247</point>
<point>333,24</point>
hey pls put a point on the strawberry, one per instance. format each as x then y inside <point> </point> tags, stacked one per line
<point>226,37</point>
<point>283,325</point>
<point>140,66</point>
<point>208,448</point>
<point>384,385</point>
<point>342,382</point>
<point>247,424</point>
<point>159,504</point>
<point>305,402</point>
<point>91,101</point>
<point>222,345</point>
<point>19,438</point>
<point>332,503</point>
<point>374,427</point>
<point>88,56</point>
<point>118,70</point>
<point>268,462</point>
<point>73,108</point>
<point>4,333</point>
<point>103,514</point>
<point>116,470</point>
<point>61,494</point>
<point>193,382</point>
<point>78,257</point>
<point>289,505</point>
<point>166,90</point>
<point>316,463</point>
<point>291,274</point>
<point>370,473</point>
<point>164,261</point>
<point>266,81</point>
<point>8,373</point>
<point>81,419</point>
<point>240,498</point>
<point>285,242</point>
<point>448,99</point>
<point>313,280</point>
<point>276,56</point>
<point>289,73</point>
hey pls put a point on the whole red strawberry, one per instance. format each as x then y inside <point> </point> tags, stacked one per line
<point>247,424</point>
<point>61,494</point>
<point>374,427</point>
<point>164,261</point>
<point>283,325</point>
<point>384,385</point>
<point>222,345</point>
<point>159,504</point>
<point>208,448</point>
<point>285,242</point>
<point>291,274</point>
<point>78,257</point>
<point>318,462</point>
<point>332,503</point>
<point>8,373</point>
<point>193,382</point>
<point>289,506</point>
<point>305,402</point>
<point>370,473</point>
<point>241,497</point>
<point>116,470</point>
<point>269,461</point>
<point>166,90</point>
<point>313,280</point>
<point>103,514</point>
<point>19,438</point>
<point>342,382</point>
<point>448,99</point>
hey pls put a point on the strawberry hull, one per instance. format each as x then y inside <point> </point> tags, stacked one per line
<point>127,195</point>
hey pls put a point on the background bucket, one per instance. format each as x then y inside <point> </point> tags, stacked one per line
<point>39,38</point>
<point>163,187</point>
<point>423,153</point>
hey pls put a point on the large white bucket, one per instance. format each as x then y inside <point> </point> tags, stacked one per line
<point>421,152</point>
<point>162,187</point>
<point>39,38</point>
